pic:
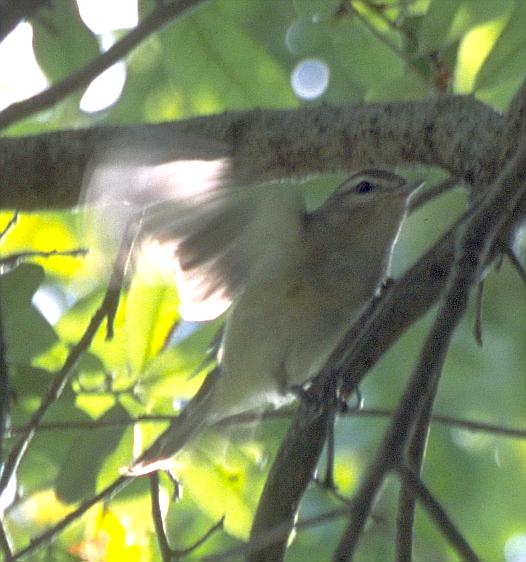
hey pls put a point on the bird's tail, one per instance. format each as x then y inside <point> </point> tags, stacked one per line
<point>194,417</point>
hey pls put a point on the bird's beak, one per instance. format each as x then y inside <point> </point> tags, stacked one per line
<point>410,188</point>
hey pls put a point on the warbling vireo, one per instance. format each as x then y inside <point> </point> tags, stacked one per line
<point>296,281</point>
<point>293,281</point>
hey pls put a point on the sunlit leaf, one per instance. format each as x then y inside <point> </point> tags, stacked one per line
<point>447,20</point>
<point>235,477</point>
<point>27,333</point>
<point>507,58</point>
<point>150,317</point>
<point>170,376</point>
<point>62,42</point>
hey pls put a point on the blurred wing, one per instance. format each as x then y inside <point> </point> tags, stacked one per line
<point>219,240</point>
<point>211,233</point>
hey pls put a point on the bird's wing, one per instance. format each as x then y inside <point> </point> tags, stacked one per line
<point>213,232</point>
<point>218,240</point>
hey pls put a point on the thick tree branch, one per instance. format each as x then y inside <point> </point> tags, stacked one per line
<point>456,133</point>
<point>290,474</point>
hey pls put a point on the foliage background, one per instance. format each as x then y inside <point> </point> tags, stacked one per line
<point>239,54</point>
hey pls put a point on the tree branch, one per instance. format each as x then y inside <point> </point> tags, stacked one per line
<point>290,475</point>
<point>157,516</point>
<point>456,133</point>
<point>407,498</point>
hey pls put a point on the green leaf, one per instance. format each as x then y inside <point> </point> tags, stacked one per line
<point>235,475</point>
<point>507,60</point>
<point>316,10</point>
<point>169,376</point>
<point>151,313</point>
<point>437,22</point>
<point>112,353</point>
<point>45,455</point>
<point>211,71</point>
<point>446,21</point>
<point>375,66</point>
<point>61,40</point>
<point>79,470</point>
<point>27,333</point>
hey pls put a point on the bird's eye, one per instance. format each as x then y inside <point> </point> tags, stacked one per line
<point>365,187</point>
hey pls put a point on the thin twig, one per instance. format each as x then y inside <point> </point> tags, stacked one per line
<point>217,526</point>
<point>330,453</point>
<point>157,516</point>
<point>477,324</point>
<point>51,534</point>
<point>157,19</point>
<point>470,425</point>
<point>516,263</point>
<point>437,513</point>
<point>407,500</point>
<point>275,534</point>
<point>383,39</point>
<point>12,260</point>
<point>4,383</point>
<point>332,491</point>
<point>422,196</point>
<point>10,224</point>
<point>5,543</point>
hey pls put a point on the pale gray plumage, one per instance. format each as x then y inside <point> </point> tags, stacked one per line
<point>295,280</point>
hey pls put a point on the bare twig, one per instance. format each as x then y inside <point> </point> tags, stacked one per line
<point>158,18</point>
<point>13,260</point>
<point>477,324</point>
<point>333,491</point>
<point>389,44</point>
<point>330,453</point>
<point>275,535</point>
<point>516,263</point>
<point>157,516</point>
<point>4,383</point>
<point>413,483</point>
<point>50,535</point>
<point>469,425</point>
<point>10,224</point>
<point>291,473</point>
<point>5,543</point>
<point>218,526</point>
<point>12,13</point>
<point>407,500</point>
<point>422,196</point>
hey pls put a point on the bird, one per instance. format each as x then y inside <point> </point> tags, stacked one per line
<point>290,282</point>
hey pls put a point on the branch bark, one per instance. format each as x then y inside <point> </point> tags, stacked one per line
<point>456,133</point>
